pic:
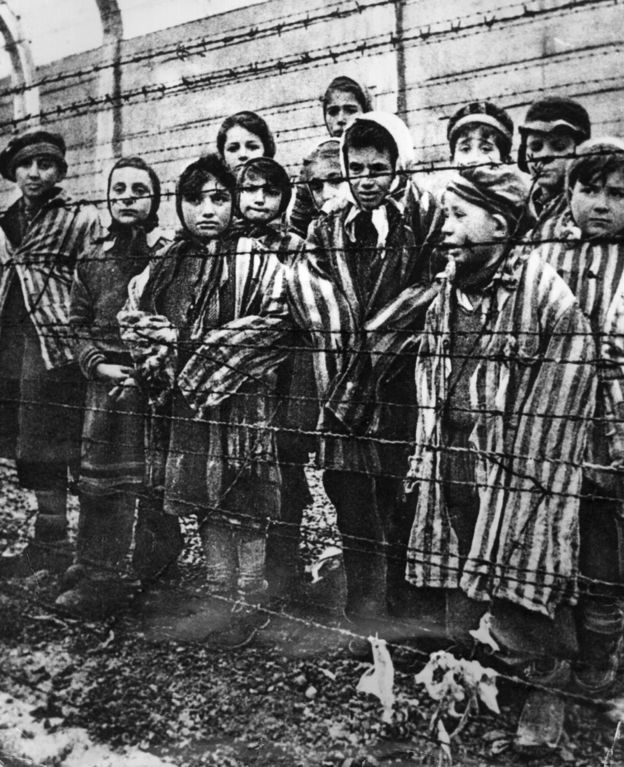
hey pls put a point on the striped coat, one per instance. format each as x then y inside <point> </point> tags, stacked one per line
<point>209,456</point>
<point>594,272</point>
<point>44,262</point>
<point>326,314</point>
<point>532,394</point>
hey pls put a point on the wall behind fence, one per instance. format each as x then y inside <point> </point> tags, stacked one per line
<point>168,92</point>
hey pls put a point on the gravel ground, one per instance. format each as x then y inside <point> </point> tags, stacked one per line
<point>171,699</point>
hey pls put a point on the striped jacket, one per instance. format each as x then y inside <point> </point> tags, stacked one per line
<point>594,272</point>
<point>44,261</point>
<point>325,313</point>
<point>532,394</point>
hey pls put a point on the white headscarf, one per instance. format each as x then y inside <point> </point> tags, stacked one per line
<point>400,134</point>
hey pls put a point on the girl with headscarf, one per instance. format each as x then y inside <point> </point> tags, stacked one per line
<point>112,465</point>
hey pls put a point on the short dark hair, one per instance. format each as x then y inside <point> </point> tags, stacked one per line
<point>273,173</point>
<point>348,85</point>
<point>366,133</point>
<point>195,175</point>
<point>597,160</point>
<point>251,122</point>
<point>134,161</point>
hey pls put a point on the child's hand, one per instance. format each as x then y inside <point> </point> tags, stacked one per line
<point>113,373</point>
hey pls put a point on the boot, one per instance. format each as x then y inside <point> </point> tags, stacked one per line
<point>540,725</point>
<point>247,619</point>
<point>95,598</point>
<point>601,640</point>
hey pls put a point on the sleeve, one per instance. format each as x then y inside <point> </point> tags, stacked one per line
<point>248,349</point>
<point>85,348</point>
<point>611,380</point>
<point>90,229</point>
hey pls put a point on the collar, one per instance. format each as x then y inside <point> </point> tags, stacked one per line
<point>151,238</point>
<point>380,222</point>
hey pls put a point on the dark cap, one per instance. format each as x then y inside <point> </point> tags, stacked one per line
<point>34,143</point>
<point>482,113</point>
<point>554,114</point>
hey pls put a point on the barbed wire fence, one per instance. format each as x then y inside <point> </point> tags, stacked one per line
<point>511,16</point>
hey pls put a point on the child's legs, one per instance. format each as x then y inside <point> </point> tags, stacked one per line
<point>358,519</point>
<point>105,533</point>
<point>601,609</point>
<point>220,553</point>
<point>251,550</point>
<point>157,539</point>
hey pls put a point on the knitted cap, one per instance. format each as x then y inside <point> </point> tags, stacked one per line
<point>498,190</point>
<point>481,113</point>
<point>34,143</point>
<point>553,114</point>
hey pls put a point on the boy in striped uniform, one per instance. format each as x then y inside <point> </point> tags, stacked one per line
<point>554,126</point>
<point>588,253</point>
<point>504,384</point>
<point>42,392</point>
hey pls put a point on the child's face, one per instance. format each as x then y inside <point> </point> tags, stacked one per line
<point>325,181</point>
<point>130,194</point>
<point>598,207</point>
<point>258,200</point>
<point>471,234</point>
<point>208,215</point>
<point>36,176</point>
<point>547,156</point>
<point>241,145</point>
<point>340,111</point>
<point>476,145</point>
<point>370,175</point>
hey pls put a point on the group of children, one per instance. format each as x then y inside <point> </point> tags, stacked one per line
<point>454,357</point>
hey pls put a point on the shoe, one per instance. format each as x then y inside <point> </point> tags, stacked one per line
<point>595,674</point>
<point>246,622</point>
<point>540,725</point>
<point>72,576</point>
<point>94,599</point>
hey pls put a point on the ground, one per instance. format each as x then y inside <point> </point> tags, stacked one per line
<point>148,686</point>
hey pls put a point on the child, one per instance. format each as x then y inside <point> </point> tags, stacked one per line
<point>243,136</point>
<point>552,129</point>
<point>47,232</point>
<point>263,196</point>
<point>323,174</point>
<point>480,132</point>
<point>496,466</point>
<point>217,463</point>
<point>343,99</point>
<point>112,460</point>
<point>589,255</point>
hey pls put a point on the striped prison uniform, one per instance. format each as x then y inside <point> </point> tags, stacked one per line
<point>43,258</point>
<point>327,313</point>
<point>594,272</point>
<point>204,444</point>
<point>531,396</point>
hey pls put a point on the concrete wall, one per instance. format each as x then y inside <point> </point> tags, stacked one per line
<point>275,58</point>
